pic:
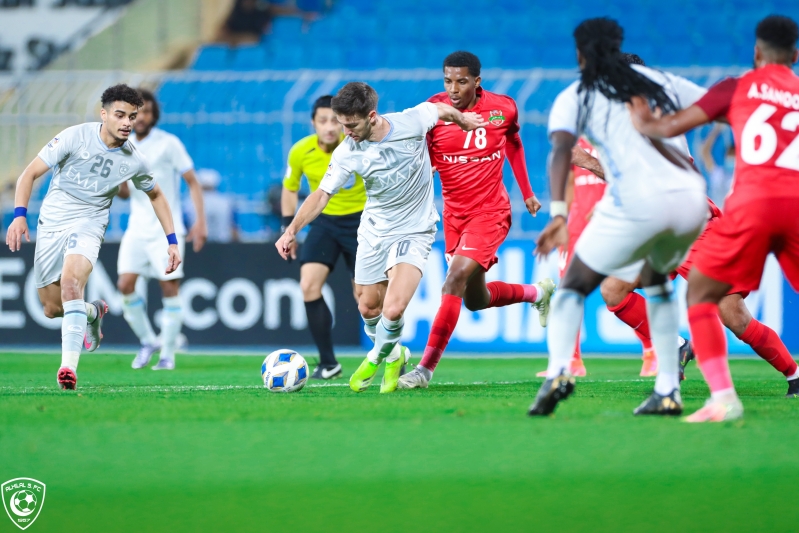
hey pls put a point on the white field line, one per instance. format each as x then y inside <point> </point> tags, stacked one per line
<point>212,388</point>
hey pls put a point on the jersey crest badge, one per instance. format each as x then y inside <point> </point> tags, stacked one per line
<point>409,144</point>
<point>123,169</point>
<point>496,118</point>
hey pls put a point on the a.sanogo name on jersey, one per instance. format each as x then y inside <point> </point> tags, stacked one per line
<point>86,176</point>
<point>761,107</point>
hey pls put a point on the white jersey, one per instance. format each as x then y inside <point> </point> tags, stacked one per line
<point>168,160</point>
<point>86,177</point>
<point>396,172</point>
<point>633,167</point>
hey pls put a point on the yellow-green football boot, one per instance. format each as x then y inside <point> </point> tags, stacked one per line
<point>547,287</point>
<point>394,370</point>
<point>362,378</point>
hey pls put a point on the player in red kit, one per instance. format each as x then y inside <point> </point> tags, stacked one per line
<point>762,107</point>
<point>477,211</point>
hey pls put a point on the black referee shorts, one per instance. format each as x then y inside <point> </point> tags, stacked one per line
<point>329,237</point>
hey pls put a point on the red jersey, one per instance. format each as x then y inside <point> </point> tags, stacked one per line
<point>470,163</point>
<point>588,190</point>
<point>762,107</point>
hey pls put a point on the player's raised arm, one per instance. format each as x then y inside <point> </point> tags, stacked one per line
<point>467,121</point>
<point>19,226</point>
<point>311,208</point>
<point>657,126</point>
<point>164,214</point>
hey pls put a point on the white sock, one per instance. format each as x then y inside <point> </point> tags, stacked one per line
<point>539,293</point>
<point>136,315</point>
<point>370,326</point>
<point>793,376</point>
<point>725,396</point>
<point>73,328</point>
<point>565,318</point>
<point>171,323</point>
<point>387,334</point>
<point>661,308</point>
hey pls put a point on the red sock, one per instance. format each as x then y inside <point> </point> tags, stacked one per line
<point>632,311</point>
<point>577,355</point>
<point>441,330</point>
<point>710,345</point>
<point>502,293</point>
<point>767,344</point>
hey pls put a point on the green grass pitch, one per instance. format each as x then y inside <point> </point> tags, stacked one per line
<point>206,448</point>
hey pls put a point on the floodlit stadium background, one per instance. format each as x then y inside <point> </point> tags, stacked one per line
<point>238,102</point>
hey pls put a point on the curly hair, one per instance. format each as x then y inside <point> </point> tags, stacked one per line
<point>121,93</point>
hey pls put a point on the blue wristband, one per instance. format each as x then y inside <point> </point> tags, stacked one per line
<point>172,238</point>
<point>20,212</point>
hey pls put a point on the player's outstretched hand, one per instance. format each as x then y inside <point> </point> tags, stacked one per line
<point>533,205</point>
<point>18,228</point>
<point>555,234</point>
<point>472,121</point>
<point>287,246</point>
<point>174,258</point>
<point>198,235</point>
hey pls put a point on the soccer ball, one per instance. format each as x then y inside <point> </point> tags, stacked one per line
<point>25,501</point>
<point>284,371</point>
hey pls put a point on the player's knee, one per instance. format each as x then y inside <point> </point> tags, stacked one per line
<point>733,317</point>
<point>71,289</point>
<point>473,305</point>
<point>52,309</point>
<point>455,286</point>
<point>311,288</point>
<point>126,286</point>
<point>393,311</point>
<point>367,308</point>
<point>613,291</point>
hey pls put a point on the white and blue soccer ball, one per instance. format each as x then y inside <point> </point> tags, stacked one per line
<point>284,371</point>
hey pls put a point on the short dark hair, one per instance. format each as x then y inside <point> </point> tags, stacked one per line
<point>463,59</point>
<point>323,102</point>
<point>633,59</point>
<point>121,93</point>
<point>779,33</point>
<point>148,96</point>
<point>355,98</point>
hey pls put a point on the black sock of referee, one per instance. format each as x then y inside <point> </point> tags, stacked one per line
<point>320,322</point>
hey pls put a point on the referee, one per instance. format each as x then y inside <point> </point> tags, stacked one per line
<point>334,233</point>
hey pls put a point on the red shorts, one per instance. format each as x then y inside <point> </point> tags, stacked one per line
<point>735,251</point>
<point>477,237</point>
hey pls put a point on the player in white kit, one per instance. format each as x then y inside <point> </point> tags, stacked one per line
<point>398,223</point>
<point>89,162</point>
<point>653,209</point>
<point>141,252</point>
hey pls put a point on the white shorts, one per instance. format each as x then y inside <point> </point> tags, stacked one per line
<point>377,255</point>
<point>658,230</point>
<point>147,256</point>
<point>51,247</point>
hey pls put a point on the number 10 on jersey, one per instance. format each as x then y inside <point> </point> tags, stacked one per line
<point>479,138</point>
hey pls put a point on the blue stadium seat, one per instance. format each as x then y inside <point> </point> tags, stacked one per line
<point>251,57</point>
<point>212,57</point>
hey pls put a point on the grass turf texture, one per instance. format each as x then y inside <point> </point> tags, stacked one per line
<point>205,448</point>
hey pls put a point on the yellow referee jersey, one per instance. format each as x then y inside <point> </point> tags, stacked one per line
<point>306,158</point>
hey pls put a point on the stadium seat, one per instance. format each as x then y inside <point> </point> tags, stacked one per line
<point>212,58</point>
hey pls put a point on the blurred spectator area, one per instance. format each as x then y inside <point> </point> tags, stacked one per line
<point>239,108</point>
